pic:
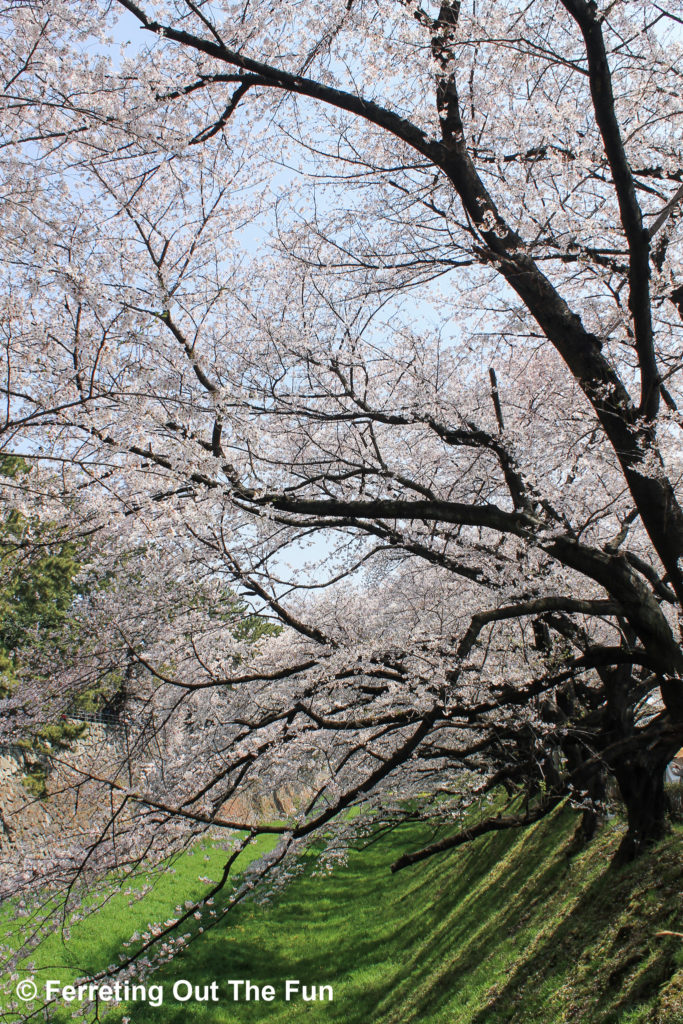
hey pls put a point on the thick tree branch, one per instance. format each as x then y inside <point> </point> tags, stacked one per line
<point>488,825</point>
<point>585,13</point>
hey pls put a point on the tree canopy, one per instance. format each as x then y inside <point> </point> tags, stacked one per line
<point>370,313</point>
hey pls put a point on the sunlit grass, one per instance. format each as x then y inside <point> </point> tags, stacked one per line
<point>508,930</point>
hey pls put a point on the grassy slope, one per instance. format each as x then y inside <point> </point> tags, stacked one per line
<point>505,930</point>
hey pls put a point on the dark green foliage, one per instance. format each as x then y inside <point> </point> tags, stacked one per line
<point>38,570</point>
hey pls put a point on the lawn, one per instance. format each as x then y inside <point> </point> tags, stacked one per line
<point>509,930</point>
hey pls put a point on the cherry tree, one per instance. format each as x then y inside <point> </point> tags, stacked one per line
<point>372,313</point>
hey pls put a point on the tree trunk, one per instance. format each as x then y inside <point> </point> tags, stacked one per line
<point>641,782</point>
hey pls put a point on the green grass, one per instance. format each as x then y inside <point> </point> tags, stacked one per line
<point>509,930</point>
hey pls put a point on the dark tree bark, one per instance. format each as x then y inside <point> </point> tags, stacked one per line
<point>641,782</point>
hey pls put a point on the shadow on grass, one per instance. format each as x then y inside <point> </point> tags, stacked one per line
<point>603,949</point>
<point>393,947</point>
<point>504,930</point>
